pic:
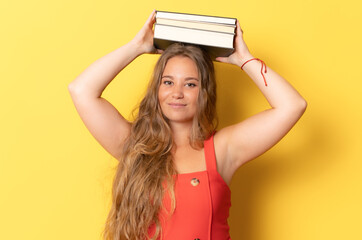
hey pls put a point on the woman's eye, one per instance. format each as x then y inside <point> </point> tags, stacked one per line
<point>191,84</point>
<point>167,82</point>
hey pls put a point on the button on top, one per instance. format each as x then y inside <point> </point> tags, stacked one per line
<point>197,239</point>
<point>194,183</point>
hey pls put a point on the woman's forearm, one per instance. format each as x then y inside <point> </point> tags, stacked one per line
<point>279,92</point>
<point>94,79</point>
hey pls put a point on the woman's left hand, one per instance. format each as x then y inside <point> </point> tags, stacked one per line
<point>241,52</point>
<point>144,38</point>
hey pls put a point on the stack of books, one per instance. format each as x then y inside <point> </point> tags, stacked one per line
<point>214,34</point>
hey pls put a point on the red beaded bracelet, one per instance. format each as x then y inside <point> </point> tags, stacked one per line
<point>262,65</point>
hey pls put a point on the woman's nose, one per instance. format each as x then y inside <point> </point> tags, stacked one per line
<point>177,92</point>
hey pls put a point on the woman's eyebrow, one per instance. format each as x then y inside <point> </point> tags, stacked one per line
<point>188,78</point>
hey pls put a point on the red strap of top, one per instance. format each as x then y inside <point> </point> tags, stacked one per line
<point>210,153</point>
<point>262,66</point>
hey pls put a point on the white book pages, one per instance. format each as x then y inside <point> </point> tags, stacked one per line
<point>217,39</point>
<point>194,17</point>
<point>198,25</point>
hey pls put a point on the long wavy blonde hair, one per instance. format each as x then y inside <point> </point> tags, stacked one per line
<point>146,161</point>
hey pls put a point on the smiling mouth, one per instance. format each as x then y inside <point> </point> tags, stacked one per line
<point>177,105</point>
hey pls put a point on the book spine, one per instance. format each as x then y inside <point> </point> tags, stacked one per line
<point>212,50</point>
<point>194,29</point>
<point>198,22</point>
<point>181,34</point>
<point>195,17</point>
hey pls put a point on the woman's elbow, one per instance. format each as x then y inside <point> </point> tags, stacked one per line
<point>300,106</point>
<point>296,107</point>
<point>303,104</point>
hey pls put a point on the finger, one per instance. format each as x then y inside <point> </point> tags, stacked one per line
<point>239,31</point>
<point>221,59</point>
<point>160,51</point>
<point>151,18</point>
<point>151,15</point>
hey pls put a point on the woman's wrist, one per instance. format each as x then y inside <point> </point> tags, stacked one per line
<point>240,61</point>
<point>136,47</point>
<point>263,66</point>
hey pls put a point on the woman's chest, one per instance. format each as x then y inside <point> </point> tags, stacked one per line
<point>193,209</point>
<point>188,160</point>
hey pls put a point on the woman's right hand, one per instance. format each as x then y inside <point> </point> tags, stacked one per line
<point>144,38</point>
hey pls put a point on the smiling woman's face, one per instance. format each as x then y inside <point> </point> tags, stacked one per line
<point>179,89</point>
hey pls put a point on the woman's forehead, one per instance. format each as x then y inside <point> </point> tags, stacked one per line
<point>180,66</point>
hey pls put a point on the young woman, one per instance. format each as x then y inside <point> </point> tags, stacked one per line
<point>174,171</point>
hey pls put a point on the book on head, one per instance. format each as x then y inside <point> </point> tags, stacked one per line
<point>214,34</point>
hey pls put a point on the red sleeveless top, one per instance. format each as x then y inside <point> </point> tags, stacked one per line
<point>203,200</point>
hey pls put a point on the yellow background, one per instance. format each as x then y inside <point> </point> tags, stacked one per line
<point>55,178</point>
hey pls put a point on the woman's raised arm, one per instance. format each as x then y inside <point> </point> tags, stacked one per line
<point>103,120</point>
<point>250,138</point>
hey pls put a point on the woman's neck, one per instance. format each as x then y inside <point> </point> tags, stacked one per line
<point>181,134</point>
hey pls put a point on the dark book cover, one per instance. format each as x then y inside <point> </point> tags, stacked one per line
<point>211,50</point>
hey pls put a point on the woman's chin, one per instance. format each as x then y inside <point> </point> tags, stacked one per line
<point>180,119</point>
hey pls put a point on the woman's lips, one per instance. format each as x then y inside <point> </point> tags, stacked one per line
<point>177,105</point>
